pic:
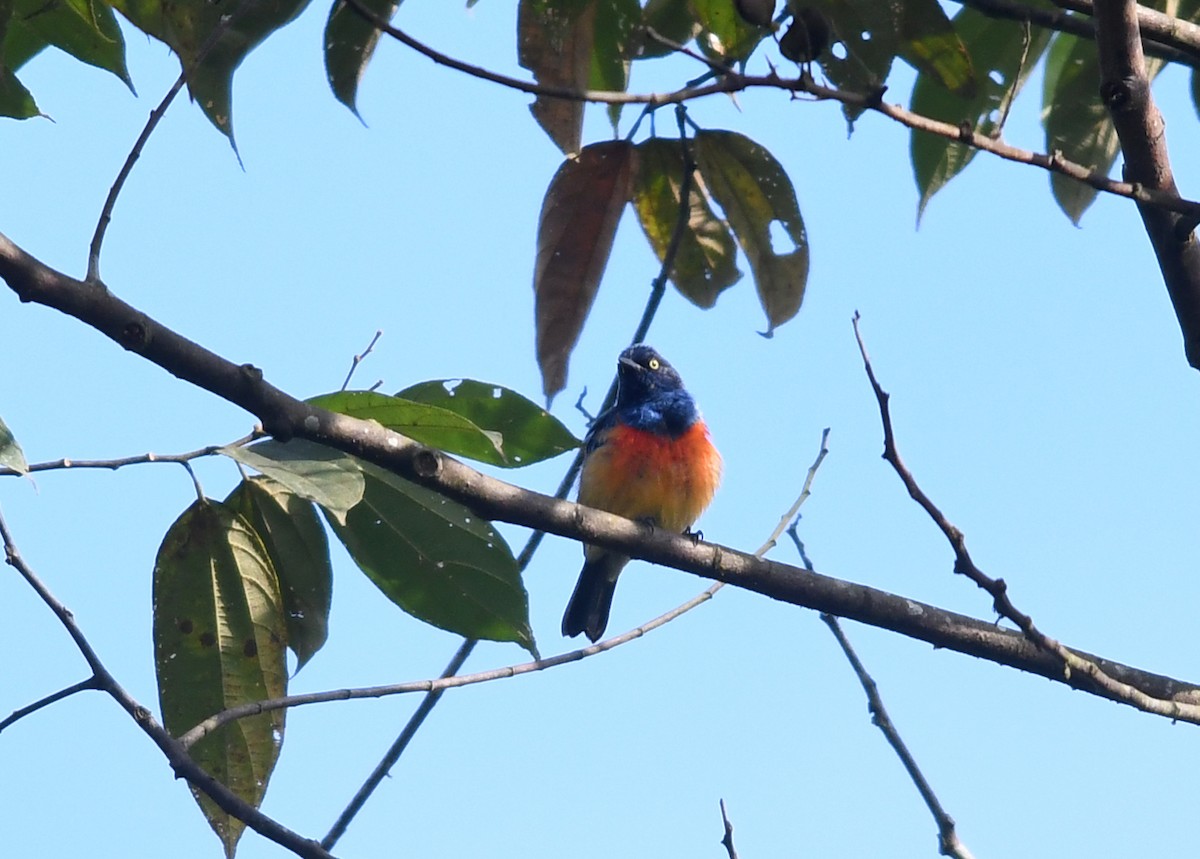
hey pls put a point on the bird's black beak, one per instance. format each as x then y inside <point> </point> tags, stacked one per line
<point>629,363</point>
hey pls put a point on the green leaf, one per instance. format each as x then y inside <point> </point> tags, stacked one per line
<point>85,29</point>
<point>930,44</point>
<point>706,258</point>
<point>724,34</point>
<point>1003,54</point>
<point>219,639</point>
<point>186,26</point>
<point>1077,123</point>
<point>575,234</point>
<point>294,539</point>
<point>754,191</point>
<point>870,33</point>
<point>350,42</point>
<point>554,41</point>
<point>11,455</point>
<point>671,19</point>
<point>437,560</point>
<point>15,101</point>
<point>527,433</point>
<point>321,474</point>
<point>615,41</point>
<point>430,425</point>
<point>1196,90</point>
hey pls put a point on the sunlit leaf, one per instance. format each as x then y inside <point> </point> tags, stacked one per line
<point>575,234</point>
<point>554,41</point>
<point>724,34</point>
<point>706,258</point>
<point>294,539</point>
<point>219,639</point>
<point>1003,54</point>
<point>930,43</point>
<point>526,432</point>
<point>1076,121</point>
<point>350,41</point>
<point>321,474</point>
<point>755,192</point>
<point>436,427</point>
<point>11,454</point>
<point>437,560</point>
<point>85,29</point>
<point>186,28</point>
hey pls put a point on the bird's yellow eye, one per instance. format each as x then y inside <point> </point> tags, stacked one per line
<point>653,364</point>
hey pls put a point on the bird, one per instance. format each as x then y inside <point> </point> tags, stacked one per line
<point>649,458</point>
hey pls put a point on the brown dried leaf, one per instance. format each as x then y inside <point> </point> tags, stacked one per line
<point>554,41</point>
<point>575,234</point>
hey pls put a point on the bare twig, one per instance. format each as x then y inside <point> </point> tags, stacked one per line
<point>175,753</point>
<point>359,358</point>
<point>727,838</point>
<point>93,267</point>
<point>140,459</point>
<point>17,715</point>
<point>1153,25</point>
<point>732,82</point>
<point>948,841</point>
<point>998,588</point>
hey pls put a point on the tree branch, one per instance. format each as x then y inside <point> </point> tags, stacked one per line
<point>286,417</point>
<point>176,754</point>
<point>1125,90</point>
<point>17,715</point>
<point>1151,24</point>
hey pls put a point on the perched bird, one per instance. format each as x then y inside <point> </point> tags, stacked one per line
<point>647,458</point>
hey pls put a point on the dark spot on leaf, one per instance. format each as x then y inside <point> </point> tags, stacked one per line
<point>185,626</point>
<point>207,639</point>
<point>250,648</point>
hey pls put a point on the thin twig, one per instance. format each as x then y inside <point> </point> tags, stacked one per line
<point>733,81</point>
<point>727,838</point>
<point>140,459</point>
<point>998,588</point>
<point>359,358</point>
<point>175,753</point>
<point>17,715</point>
<point>948,841</point>
<point>93,267</point>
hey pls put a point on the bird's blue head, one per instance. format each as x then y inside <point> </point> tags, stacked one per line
<point>643,374</point>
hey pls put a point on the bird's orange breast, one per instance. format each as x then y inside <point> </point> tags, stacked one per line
<point>651,476</point>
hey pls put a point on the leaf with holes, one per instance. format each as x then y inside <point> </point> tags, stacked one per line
<point>575,234</point>
<point>437,560</point>
<point>436,427</point>
<point>294,539</point>
<point>350,41</point>
<point>554,41</point>
<point>1077,123</point>
<point>219,638</point>
<point>755,192</point>
<point>321,474</point>
<point>186,28</point>
<point>525,432</point>
<point>11,454</point>
<point>1003,54</point>
<point>706,258</point>
<point>869,32</point>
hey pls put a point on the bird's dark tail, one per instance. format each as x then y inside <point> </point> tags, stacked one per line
<point>587,612</point>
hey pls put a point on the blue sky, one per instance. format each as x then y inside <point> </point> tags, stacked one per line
<point>1040,395</point>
